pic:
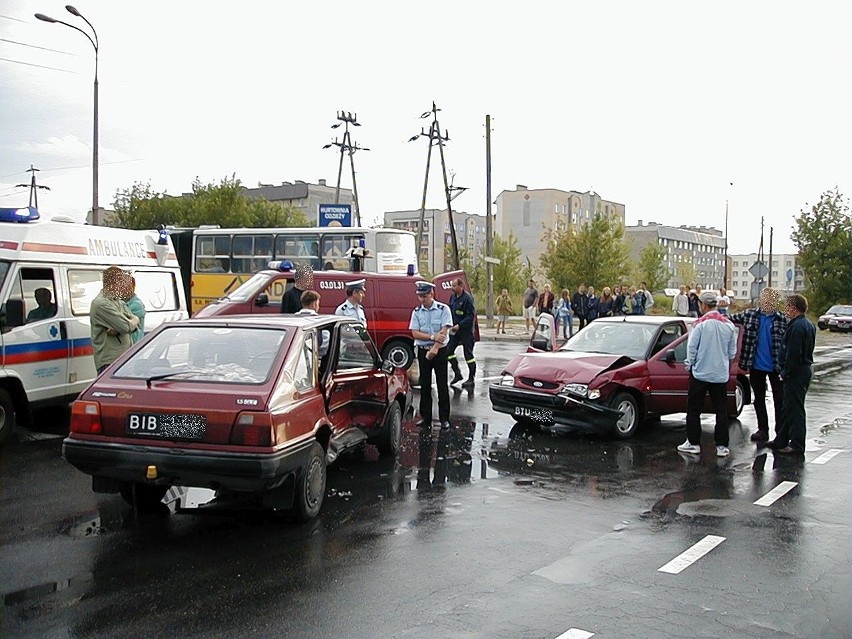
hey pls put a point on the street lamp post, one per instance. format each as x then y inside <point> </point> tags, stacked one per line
<point>94,40</point>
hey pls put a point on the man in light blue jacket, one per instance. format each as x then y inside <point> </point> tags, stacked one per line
<point>710,349</point>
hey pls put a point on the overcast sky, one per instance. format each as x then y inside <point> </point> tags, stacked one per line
<point>657,105</point>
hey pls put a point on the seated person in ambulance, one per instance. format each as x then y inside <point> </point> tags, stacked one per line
<point>46,308</point>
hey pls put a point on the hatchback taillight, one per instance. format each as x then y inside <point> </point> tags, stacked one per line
<point>253,429</point>
<point>86,417</point>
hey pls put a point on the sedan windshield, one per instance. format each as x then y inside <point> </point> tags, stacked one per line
<point>206,354</point>
<point>622,338</point>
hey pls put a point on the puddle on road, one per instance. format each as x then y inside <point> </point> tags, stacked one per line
<point>839,422</point>
<point>717,508</point>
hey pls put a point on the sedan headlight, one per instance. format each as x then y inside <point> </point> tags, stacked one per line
<point>594,393</point>
<point>576,389</point>
<point>507,380</point>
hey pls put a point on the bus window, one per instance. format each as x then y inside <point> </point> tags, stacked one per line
<point>251,253</point>
<point>300,249</point>
<point>212,253</point>
<point>334,249</point>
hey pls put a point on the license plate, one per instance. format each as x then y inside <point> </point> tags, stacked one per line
<point>543,415</point>
<point>165,425</point>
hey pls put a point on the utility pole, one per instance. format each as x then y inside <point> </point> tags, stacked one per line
<point>436,137</point>
<point>347,146</point>
<point>33,186</point>
<point>489,226</point>
<point>725,263</point>
<point>771,229</point>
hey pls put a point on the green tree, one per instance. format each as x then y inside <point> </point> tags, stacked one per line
<point>225,204</point>
<point>685,273</point>
<point>652,266</point>
<point>596,253</point>
<point>510,273</point>
<point>823,235</point>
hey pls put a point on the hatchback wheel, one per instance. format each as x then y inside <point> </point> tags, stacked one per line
<point>392,431</point>
<point>629,422</point>
<point>310,486</point>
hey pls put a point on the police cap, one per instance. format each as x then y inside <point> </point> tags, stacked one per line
<point>357,285</point>
<point>424,288</point>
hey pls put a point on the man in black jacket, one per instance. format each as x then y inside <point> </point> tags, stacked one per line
<point>463,311</point>
<point>797,358</point>
<point>303,279</point>
<point>580,304</point>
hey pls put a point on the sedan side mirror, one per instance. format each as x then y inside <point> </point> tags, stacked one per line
<point>261,300</point>
<point>388,367</point>
<point>670,356</point>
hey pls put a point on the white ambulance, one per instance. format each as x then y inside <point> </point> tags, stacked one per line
<point>45,340</point>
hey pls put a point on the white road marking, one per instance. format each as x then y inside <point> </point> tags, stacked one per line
<point>576,633</point>
<point>491,378</point>
<point>691,555</point>
<point>499,490</point>
<point>827,455</point>
<point>776,493</point>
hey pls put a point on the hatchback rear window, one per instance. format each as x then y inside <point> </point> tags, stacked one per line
<point>206,354</point>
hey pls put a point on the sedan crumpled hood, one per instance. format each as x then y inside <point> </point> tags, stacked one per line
<point>565,367</point>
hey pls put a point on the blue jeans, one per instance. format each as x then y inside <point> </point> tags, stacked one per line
<point>567,326</point>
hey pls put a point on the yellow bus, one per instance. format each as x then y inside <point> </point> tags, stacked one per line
<point>215,261</point>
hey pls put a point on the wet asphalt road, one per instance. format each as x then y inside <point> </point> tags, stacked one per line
<point>486,531</point>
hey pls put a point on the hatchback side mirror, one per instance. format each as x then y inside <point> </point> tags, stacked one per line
<point>541,343</point>
<point>261,300</point>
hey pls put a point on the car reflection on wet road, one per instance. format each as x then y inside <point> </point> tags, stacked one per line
<point>483,530</point>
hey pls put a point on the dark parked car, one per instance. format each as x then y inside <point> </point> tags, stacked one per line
<point>239,404</point>
<point>836,318</point>
<point>609,378</point>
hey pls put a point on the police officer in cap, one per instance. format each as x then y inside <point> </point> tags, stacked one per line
<point>430,325</point>
<point>352,307</point>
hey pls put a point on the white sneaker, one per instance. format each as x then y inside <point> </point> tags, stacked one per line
<point>692,449</point>
<point>722,451</point>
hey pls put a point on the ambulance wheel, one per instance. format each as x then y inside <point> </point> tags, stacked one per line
<point>400,353</point>
<point>7,416</point>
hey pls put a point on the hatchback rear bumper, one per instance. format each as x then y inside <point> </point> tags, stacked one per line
<point>186,467</point>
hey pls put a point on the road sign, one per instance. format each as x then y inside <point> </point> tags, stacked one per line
<point>789,275</point>
<point>491,260</point>
<point>759,270</point>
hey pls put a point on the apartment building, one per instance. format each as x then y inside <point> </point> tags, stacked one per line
<point>784,274</point>
<point>695,255</point>
<point>528,213</point>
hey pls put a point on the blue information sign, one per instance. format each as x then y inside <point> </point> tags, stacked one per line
<point>335,215</point>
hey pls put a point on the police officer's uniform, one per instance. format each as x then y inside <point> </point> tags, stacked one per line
<point>463,311</point>
<point>430,321</point>
<point>350,308</point>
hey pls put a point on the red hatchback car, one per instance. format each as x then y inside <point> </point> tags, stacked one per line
<point>608,378</point>
<point>238,404</point>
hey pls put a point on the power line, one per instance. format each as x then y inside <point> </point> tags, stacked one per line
<point>14,19</point>
<point>40,66</point>
<point>35,46</point>
<point>66,168</point>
